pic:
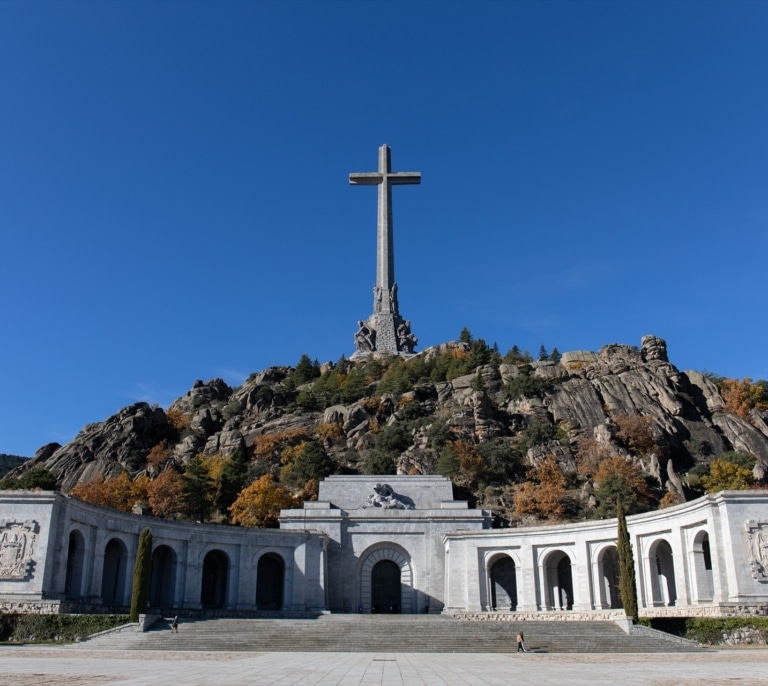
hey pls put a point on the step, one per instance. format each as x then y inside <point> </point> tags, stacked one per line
<point>384,633</point>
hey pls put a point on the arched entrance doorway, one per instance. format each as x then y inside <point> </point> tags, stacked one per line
<point>385,588</point>
<point>75,566</point>
<point>559,581</point>
<point>608,564</point>
<point>702,566</point>
<point>213,587</point>
<point>270,578</point>
<point>162,577</point>
<point>113,573</point>
<point>386,577</point>
<point>662,574</point>
<point>503,582</point>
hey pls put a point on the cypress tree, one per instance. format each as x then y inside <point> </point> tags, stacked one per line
<point>141,574</point>
<point>627,584</point>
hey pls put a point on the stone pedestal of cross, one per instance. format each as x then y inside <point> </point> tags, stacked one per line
<point>385,331</point>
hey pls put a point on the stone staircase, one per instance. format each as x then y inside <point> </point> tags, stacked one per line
<point>388,634</point>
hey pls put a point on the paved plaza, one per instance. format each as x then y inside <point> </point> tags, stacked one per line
<point>42,666</point>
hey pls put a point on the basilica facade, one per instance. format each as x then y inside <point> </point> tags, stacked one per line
<point>387,544</point>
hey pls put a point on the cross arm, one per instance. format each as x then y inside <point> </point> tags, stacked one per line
<point>404,177</point>
<point>367,179</point>
<point>375,178</point>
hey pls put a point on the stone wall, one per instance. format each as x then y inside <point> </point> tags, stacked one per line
<point>30,607</point>
<point>745,636</point>
<point>720,611</point>
<point>597,615</point>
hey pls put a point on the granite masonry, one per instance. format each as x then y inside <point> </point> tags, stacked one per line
<point>387,544</point>
<point>385,331</point>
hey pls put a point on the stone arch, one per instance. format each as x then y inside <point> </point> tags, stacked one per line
<point>73,582</point>
<point>270,582</point>
<point>213,582</point>
<point>558,579</point>
<point>502,583</point>
<point>662,573</point>
<point>162,587</point>
<point>608,576</point>
<point>395,554</point>
<point>703,581</point>
<point>114,572</point>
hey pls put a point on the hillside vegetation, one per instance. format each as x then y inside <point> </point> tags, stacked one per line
<point>558,437</point>
<point>9,462</point>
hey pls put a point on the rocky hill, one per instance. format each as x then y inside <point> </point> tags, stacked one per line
<point>384,415</point>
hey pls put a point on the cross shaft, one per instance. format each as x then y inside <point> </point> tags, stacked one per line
<point>385,178</point>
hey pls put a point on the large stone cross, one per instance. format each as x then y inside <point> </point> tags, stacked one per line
<point>385,331</point>
<point>385,178</point>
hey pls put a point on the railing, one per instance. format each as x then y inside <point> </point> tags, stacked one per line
<point>642,630</point>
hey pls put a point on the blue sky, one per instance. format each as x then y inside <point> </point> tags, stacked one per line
<point>174,200</point>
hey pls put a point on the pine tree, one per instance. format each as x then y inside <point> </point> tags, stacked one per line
<point>312,463</point>
<point>478,384</point>
<point>513,355</point>
<point>543,354</point>
<point>197,489</point>
<point>305,371</point>
<point>627,583</point>
<point>232,480</point>
<point>141,576</point>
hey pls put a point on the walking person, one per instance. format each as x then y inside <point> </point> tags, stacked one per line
<point>175,625</point>
<point>521,642</point>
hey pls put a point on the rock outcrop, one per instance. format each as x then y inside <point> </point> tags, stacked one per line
<point>121,443</point>
<point>580,397</point>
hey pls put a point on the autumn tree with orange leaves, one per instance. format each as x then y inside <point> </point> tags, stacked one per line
<point>118,493</point>
<point>164,494</point>
<point>590,454</point>
<point>636,432</point>
<point>259,504</point>
<point>619,480</point>
<point>741,397</point>
<point>544,493</point>
<point>158,456</point>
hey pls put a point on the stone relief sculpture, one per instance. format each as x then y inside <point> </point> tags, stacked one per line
<point>757,549</point>
<point>393,299</point>
<point>406,341</point>
<point>365,338</point>
<point>17,545</point>
<point>377,297</point>
<point>384,496</point>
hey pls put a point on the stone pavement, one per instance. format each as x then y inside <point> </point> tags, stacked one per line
<point>44,666</point>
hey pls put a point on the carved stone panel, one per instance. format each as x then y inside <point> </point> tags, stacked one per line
<point>757,549</point>
<point>18,541</point>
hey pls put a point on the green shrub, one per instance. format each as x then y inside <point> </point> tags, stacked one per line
<point>33,479</point>
<point>536,434</point>
<point>27,628</point>
<point>380,462</point>
<point>708,631</point>
<point>525,384</point>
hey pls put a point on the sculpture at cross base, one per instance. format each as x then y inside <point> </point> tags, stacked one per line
<point>385,331</point>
